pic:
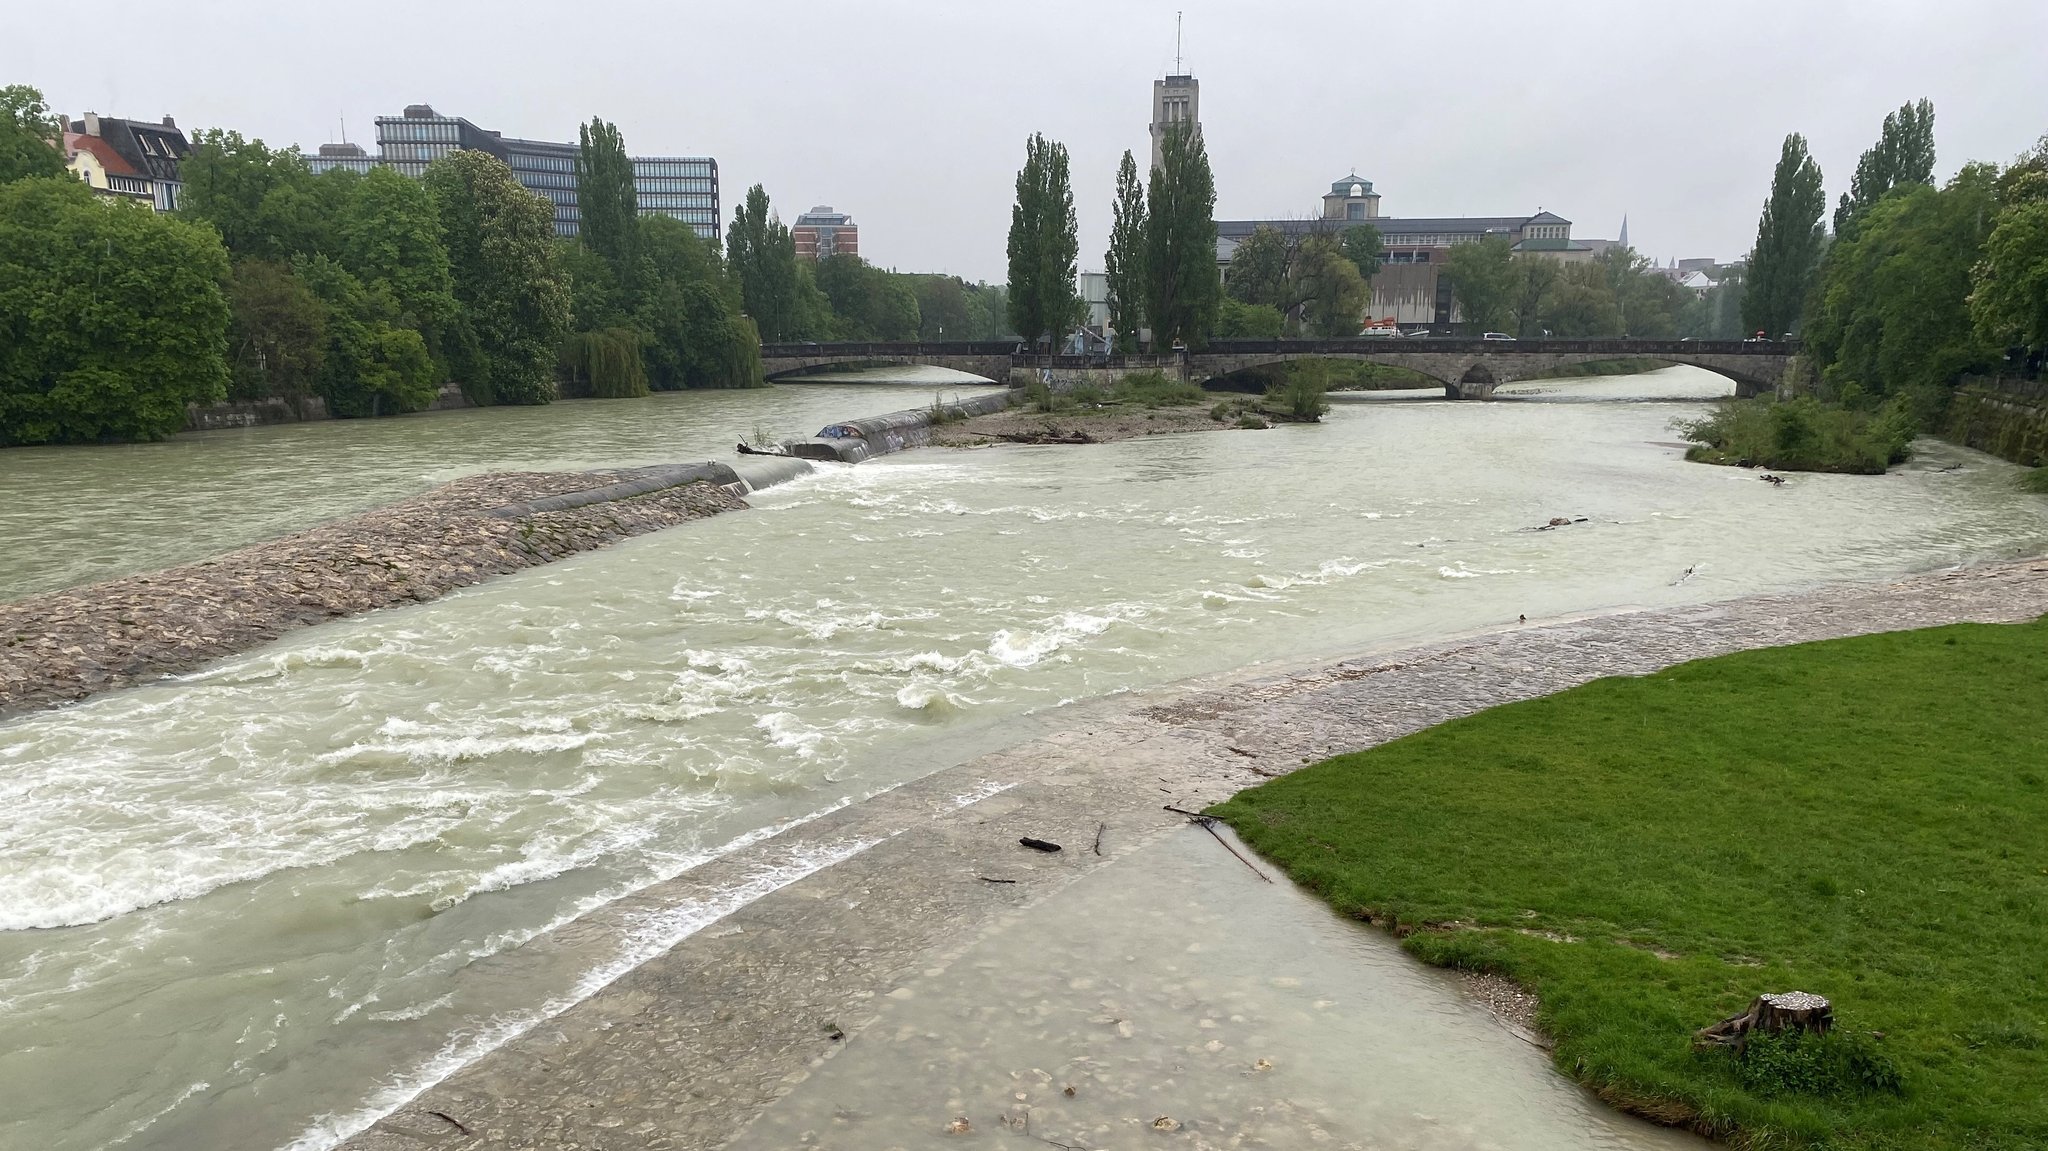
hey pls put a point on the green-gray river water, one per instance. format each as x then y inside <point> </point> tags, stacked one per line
<point>253,906</point>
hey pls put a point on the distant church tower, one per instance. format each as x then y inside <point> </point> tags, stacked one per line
<point>1175,100</point>
<point>1624,230</point>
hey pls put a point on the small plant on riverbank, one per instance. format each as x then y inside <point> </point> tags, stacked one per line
<point>1800,435</point>
<point>1859,818</point>
<point>2035,481</point>
<point>943,412</point>
<point>1301,395</point>
<point>1157,390</point>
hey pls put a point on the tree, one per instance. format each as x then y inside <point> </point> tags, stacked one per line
<point>1044,246</point>
<point>1533,281</point>
<point>1180,265</point>
<point>111,318</point>
<point>1484,280</point>
<point>607,199</point>
<point>29,135</point>
<point>2009,286</point>
<point>1366,249</point>
<point>1788,243</point>
<point>1331,294</point>
<point>1236,320</point>
<point>1259,270</point>
<point>1124,263</point>
<point>501,261</point>
<point>389,236</point>
<point>277,336</point>
<point>264,203</point>
<point>762,257</point>
<point>1647,303</point>
<point>1891,312</point>
<point>1581,303</point>
<point>1716,315</point>
<point>372,364</point>
<point>1903,155</point>
<point>690,313</point>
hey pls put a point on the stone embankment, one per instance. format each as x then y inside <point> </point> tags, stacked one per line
<point>2005,416</point>
<point>65,645</point>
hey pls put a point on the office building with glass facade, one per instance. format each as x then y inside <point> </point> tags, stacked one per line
<point>685,187</point>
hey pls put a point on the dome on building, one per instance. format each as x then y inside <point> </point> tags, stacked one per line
<point>1352,185</point>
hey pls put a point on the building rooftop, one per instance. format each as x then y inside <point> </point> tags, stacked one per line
<point>75,142</point>
<point>1343,187</point>
<point>1390,225</point>
<point>1551,245</point>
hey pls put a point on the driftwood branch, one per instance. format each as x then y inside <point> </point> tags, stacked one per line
<point>1099,829</point>
<point>1208,824</point>
<point>1773,1013</point>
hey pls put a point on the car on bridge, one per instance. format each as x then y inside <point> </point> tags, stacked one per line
<point>1497,336</point>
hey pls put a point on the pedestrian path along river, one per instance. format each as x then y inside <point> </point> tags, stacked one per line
<point>239,907</point>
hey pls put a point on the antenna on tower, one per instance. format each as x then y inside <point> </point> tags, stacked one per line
<point>1176,43</point>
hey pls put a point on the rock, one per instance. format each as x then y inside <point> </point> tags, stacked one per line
<point>1166,1123</point>
<point>960,1126</point>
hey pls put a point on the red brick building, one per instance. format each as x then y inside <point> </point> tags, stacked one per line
<point>822,232</point>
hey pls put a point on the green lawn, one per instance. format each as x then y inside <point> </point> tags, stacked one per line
<point>1865,818</point>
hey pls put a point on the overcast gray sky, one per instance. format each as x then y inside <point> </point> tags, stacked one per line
<point>912,115</point>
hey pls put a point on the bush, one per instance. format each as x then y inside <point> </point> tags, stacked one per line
<point>1801,435</point>
<point>1801,1063</point>
<point>1300,396</point>
<point>1157,390</point>
<point>1252,420</point>
<point>2036,481</point>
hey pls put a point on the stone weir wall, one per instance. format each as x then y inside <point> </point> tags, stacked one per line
<point>2003,415</point>
<point>852,441</point>
<point>65,645</point>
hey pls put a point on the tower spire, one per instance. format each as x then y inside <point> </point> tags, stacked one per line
<point>1176,43</point>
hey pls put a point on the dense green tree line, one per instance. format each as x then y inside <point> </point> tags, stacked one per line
<point>1918,288</point>
<point>1617,293</point>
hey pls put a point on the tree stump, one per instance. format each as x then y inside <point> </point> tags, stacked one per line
<point>1773,1013</point>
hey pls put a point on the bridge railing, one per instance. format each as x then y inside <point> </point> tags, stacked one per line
<point>1620,349</point>
<point>888,349</point>
<point>1023,356</point>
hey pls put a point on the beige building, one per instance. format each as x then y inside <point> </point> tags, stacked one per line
<point>1176,100</point>
<point>1408,292</point>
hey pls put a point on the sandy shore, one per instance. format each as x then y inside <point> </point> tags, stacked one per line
<point>781,950</point>
<point>1088,426</point>
<point>65,645</point>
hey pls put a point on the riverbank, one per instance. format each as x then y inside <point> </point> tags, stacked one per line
<point>62,646</point>
<point>821,928</point>
<point>1853,818</point>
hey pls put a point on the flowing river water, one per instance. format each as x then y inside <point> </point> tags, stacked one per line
<point>240,908</point>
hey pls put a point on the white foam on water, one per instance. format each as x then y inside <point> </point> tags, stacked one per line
<point>652,934</point>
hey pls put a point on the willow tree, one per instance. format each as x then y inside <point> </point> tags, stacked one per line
<point>1185,288</point>
<point>1044,247</point>
<point>1124,263</point>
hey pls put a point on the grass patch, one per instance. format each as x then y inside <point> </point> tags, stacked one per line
<point>2035,481</point>
<point>1157,390</point>
<point>1800,435</point>
<point>1863,818</point>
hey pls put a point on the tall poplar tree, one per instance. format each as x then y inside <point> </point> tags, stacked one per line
<point>1185,288</point>
<point>1903,155</point>
<point>1788,243</point>
<point>761,255</point>
<point>608,201</point>
<point>1044,246</point>
<point>1124,263</point>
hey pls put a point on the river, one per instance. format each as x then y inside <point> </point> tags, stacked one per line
<point>75,515</point>
<point>239,907</point>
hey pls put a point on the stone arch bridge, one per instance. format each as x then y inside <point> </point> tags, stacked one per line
<point>1468,369</point>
